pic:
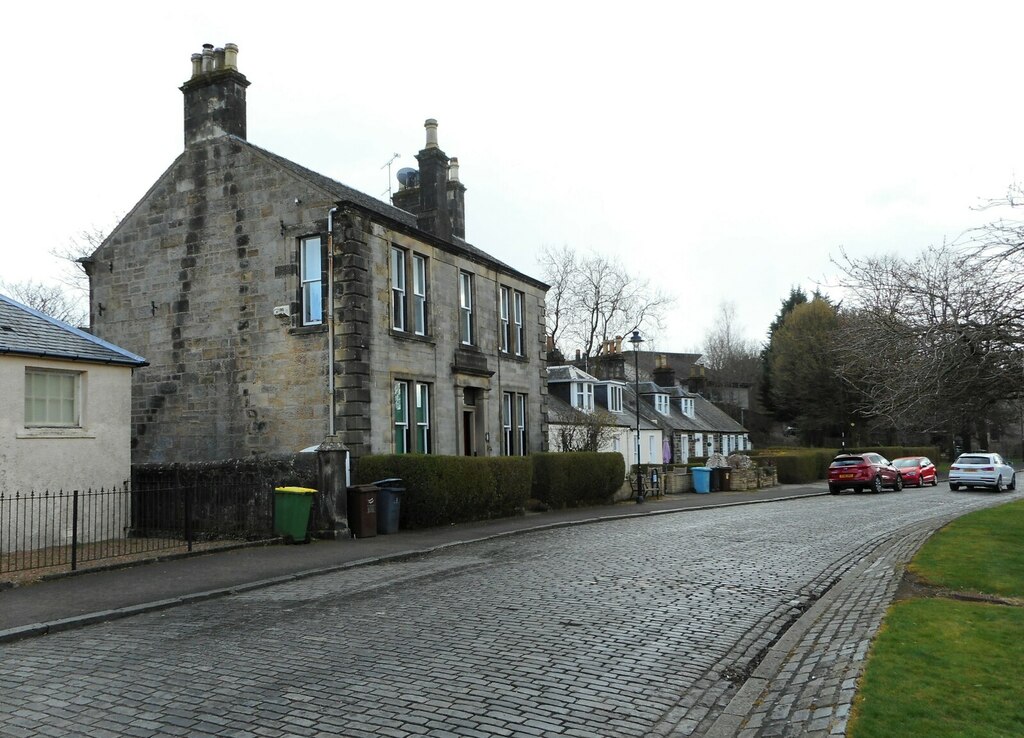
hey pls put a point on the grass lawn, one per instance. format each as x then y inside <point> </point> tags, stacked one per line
<point>943,667</point>
<point>980,552</point>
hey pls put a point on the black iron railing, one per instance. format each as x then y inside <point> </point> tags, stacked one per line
<point>64,529</point>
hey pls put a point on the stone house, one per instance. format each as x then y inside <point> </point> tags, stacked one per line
<point>279,308</point>
<point>65,400</point>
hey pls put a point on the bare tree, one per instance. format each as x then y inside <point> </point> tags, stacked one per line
<point>559,267</point>
<point>731,359</point>
<point>577,430</point>
<point>68,299</point>
<point>72,257</point>
<point>53,300</point>
<point>593,299</point>
<point>935,341</point>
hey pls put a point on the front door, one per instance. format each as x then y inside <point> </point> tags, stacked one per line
<point>468,432</point>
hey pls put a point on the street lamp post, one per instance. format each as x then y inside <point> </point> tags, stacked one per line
<point>636,341</point>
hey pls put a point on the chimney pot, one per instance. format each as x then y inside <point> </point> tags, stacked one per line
<point>218,59</point>
<point>197,64</point>
<point>453,169</point>
<point>231,56</point>
<point>431,126</point>
<point>207,58</point>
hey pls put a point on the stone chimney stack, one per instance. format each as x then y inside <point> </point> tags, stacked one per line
<point>434,195</point>
<point>663,375</point>
<point>214,95</point>
<point>433,215</point>
<point>456,200</point>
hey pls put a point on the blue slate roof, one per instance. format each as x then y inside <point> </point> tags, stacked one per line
<point>25,331</point>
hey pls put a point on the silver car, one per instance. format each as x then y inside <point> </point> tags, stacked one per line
<point>981,470</point>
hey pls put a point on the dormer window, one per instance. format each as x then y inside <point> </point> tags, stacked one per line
<point>661,404</point>
<point>686,406</point>
<point>614,398</point>
<point>583,396</point>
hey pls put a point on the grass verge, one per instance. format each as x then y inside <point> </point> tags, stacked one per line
<point>945,667</point>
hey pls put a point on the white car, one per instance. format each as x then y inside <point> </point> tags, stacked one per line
<point>981,470</point>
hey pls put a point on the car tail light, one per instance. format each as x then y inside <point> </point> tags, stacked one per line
<point>988,468</point>
<point>954,468</point>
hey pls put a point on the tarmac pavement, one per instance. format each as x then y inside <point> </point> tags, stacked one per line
<point>804,684</point>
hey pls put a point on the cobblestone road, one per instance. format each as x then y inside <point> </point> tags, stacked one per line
<point>640,627</point>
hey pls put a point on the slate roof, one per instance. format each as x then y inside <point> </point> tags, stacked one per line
<point>707,417</point>
<point>28,332</point>
<point>344,192</point>
<point>569,373</point>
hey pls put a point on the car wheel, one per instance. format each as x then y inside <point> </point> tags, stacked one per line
<point>999,483</point>
<point>954,487</point>
<point>920,481</point>
<point>935,481</point>
<point>876,485</point>
<point>1013,483</point>
<point>898,484</point>
<point>833,490</point>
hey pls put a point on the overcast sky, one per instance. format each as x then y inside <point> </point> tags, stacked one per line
<point>723,151</point>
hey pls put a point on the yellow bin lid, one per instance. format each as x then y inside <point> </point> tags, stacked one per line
<point>296,490</point>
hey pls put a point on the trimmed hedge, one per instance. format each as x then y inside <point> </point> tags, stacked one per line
<point>806,465</point>
<point>444,490</point>
<point>577,479</point>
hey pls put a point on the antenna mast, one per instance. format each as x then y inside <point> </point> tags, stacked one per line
<point>388,165</point>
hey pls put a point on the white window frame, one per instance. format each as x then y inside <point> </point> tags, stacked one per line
<point>311,277</point>
<point>521,424</point>
<point>583,396</point>
<point>466,336</point>
<point>412,432</point>
<point>517,322</point>
<point>614,398</point>
<point>661,404</point>
<point>399,295</point>
<point>419,294</point>
<point>53,398</point>
<point>506,423</point>
<point>505,327</point>
<point>424,444</point>
<point>400,415</point>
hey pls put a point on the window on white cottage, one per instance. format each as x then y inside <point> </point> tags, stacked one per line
<point>614,398</point>
<point>583,396</point>
<point>52,398</point>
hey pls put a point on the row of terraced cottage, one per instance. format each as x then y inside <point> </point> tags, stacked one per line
<point>264,308</point>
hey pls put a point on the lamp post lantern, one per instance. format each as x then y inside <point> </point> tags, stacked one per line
<point>636,341</point>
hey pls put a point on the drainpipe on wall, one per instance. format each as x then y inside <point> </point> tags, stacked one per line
<point>330,316</point>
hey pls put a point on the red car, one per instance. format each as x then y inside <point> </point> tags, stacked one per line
<point>916,470</point>
<point>863,471</point>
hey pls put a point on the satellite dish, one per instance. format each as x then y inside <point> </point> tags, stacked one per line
<point>408,177</point>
